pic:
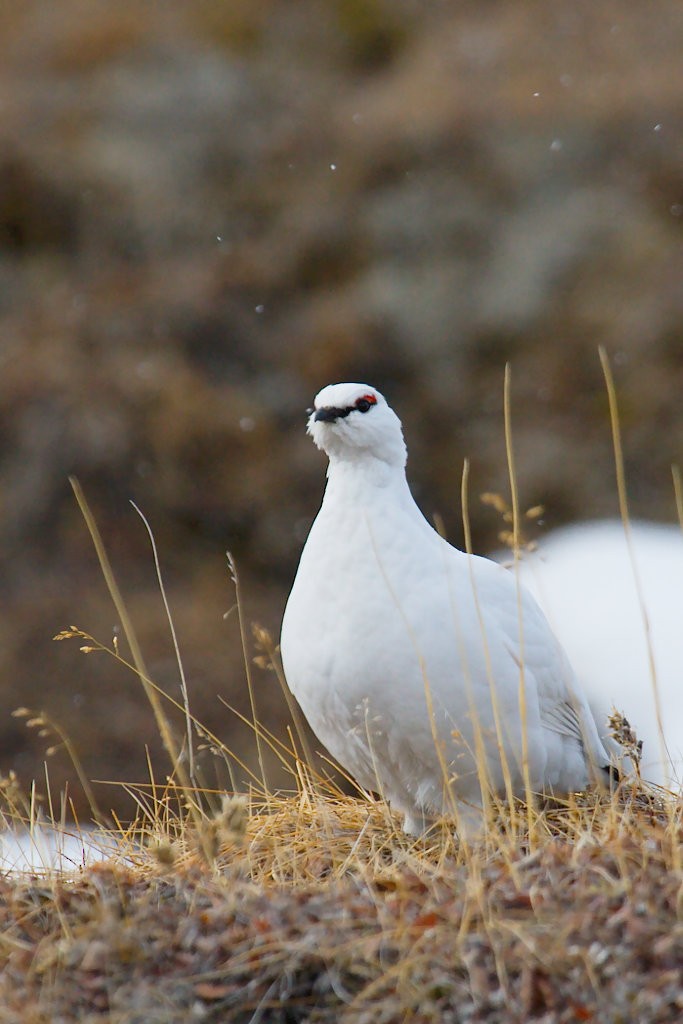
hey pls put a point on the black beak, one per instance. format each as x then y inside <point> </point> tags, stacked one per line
<point>329,414</point>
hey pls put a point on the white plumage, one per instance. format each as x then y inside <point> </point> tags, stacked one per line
<point>407,655</point>
<point>602,602</point>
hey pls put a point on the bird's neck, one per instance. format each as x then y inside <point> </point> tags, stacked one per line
<point>357,478</point>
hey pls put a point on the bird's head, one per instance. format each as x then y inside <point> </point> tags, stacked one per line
<point>353,421</point>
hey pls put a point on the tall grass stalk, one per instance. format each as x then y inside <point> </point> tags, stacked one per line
<point>176,647</point>
<point>626,520</point>
<point>487,789</point>
<point>514,497</point>
<point>151,692</point>
<point>247,668</point>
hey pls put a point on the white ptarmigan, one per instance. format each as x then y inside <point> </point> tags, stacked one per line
<point>612,601</point>
<point>412,660</point>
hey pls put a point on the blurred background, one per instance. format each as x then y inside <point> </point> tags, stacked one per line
<point>210,210</point>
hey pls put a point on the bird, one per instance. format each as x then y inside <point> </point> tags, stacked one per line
<point>613,598</point>
<point>430,674</point>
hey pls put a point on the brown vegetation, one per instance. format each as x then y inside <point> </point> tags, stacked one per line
<point>181,269</point>
<point>317,909</point>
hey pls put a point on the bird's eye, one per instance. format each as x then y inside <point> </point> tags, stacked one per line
<point>365,403</point>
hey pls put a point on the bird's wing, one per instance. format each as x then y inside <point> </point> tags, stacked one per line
<point>562,717</point>
<point>562,707</point>
<point>558,710</point>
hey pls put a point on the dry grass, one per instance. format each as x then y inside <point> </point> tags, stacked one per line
<point>317,908</point>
